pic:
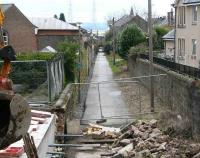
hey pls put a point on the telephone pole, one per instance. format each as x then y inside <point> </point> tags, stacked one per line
<point>151,54</point>
<point>114,44</point>
<point>94,13</point>
<point>70,11</point>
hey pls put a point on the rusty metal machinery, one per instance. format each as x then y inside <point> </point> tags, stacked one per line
<point>15,113</point>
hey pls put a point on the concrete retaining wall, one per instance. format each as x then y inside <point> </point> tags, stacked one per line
<point>179,93</point>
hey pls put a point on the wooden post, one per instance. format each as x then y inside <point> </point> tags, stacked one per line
<point>114,46</point>
<point>151,54</point>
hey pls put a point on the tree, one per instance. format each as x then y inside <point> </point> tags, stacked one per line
<point>62,17</point>
<point>159,32</point>
<point>55,16</point>
<point>130,36</point>
<point>69,49</point>
<point>108,36</point>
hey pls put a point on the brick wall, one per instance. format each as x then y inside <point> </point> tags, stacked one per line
<point>53,37</point>
<point>50,40</point>
<point>21,31</point>
<point>179,93</point>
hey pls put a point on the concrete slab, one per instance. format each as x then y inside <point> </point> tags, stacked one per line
<point>73,127</point>
<point>111,99</point>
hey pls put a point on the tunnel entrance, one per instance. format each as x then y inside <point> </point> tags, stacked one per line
<point>4,117</point>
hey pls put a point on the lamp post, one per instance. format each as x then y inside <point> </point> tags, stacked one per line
<point>151,54</point>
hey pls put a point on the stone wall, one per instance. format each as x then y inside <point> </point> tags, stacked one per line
<point>178,93</point>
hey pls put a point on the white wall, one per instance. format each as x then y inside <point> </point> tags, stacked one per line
<point>189,32</point>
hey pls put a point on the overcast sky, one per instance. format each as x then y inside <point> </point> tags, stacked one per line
<point>82,9</point>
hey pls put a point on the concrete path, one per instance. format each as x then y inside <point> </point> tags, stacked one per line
<point>110,96</point>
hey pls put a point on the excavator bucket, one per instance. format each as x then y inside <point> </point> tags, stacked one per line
<point>15,113</point>
<point>15,118</point>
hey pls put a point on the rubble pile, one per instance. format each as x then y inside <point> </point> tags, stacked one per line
<point>145,140</point>
<point>101,132</point>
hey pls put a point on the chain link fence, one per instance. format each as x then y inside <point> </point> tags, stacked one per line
<point>39,81</point>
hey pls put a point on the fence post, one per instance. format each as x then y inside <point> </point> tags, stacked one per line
<point>63,70</point>
<point>48,64</point>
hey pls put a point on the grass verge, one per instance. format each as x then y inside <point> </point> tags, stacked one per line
<point>120,64</point>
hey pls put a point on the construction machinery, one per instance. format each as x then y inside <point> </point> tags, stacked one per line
<point>15,113</point>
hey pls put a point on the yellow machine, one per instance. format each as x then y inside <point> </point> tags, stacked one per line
<point>15,114</point>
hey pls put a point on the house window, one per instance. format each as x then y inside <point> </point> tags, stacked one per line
<point>194,14</point>
<point>181,47</point>
<point>194,46</point>
<point>181,17</point>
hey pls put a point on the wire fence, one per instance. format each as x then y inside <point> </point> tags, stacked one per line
<point>124,99</point>
<point>39,81</point>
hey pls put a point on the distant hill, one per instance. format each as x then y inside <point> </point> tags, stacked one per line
<point>96,26</point>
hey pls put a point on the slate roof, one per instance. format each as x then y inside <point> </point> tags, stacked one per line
<point>124,20</point>
<point>191,1</point>
<point>51,24</point>
<point>169,35</point>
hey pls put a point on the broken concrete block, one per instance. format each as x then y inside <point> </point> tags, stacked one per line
<point>124,151</point>
<point>125,142</point>
<point>118,156</point>
<point>153,123</point>
<point>73,126</point>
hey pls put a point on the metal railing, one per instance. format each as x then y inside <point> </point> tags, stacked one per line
<point>182,69</point>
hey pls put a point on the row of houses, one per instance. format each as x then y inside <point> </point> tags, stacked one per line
<point>183,42</point>
<point>34,34</point>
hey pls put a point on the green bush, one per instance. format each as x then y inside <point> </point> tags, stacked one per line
<point>35,56</point>
<point>31,74</point>
<point>137,50</point>
<point>159,32</point>
<point>107,47</point>
<point>69,49</point>
<point>108,36</point>
<point>130,36</point>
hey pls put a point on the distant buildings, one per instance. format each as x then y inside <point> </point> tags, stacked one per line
<point>126,20</point>
<point>51,31</point>
<point>166,21</point>
<point>34,34</point>
<point>169,44</point>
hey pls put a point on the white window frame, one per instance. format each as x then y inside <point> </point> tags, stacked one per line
<point>181,47</point>
<point>194,47</point>
<point>194,14</point>
<point>181,16</point>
